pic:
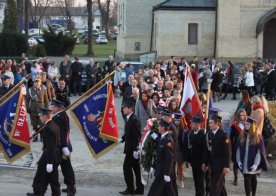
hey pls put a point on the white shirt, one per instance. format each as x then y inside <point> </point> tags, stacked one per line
<point>249,79</point>
<point>127,117</point>
<point>196,132</point>
<point>214,132</point>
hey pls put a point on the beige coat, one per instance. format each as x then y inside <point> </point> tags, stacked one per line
<point>258,115</point>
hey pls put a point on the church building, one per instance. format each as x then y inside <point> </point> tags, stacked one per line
<point>204,28</point>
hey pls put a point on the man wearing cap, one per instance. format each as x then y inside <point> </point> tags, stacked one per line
<point>196,145</point>
<point>218,153</point>
<point>62,120</point>
<point>37,97</point>
<point>47,169</point>
<point>162,184</point>
<point>77,70</point>
<point>131,138</point>
<point>49,86</point>
<point>6,87</point>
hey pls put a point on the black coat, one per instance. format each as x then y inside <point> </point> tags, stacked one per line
<point>219,152</point>
<point>164,157</point>
<point>76,68</point>
<point>51,135</point>
<point>271,80</point>
<point>65,71</point>
<point>196,144</point>
<point>5,90</point>
<point>91,72</point>
<point>132,134</point>
<point>62,120</point>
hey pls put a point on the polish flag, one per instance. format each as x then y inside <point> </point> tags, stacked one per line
<point>190,104</point>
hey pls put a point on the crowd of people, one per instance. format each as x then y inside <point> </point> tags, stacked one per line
<point>156,92</point>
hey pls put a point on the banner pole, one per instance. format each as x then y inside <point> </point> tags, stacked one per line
<point>208,102</point>
<point>91,90</point>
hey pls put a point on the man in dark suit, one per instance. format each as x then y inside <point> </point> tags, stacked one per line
<point>108,65</point>
<point>162,184</point>
<point>270,82</point>
<point>91,71</point>
<point>6,85</point>
<point>126,85</point>
<point>76,76</point>
<point>61,118</point>
<point>131,138</point>
<point>196,145</point>
<point>218,153</point>
<point>47,169</point>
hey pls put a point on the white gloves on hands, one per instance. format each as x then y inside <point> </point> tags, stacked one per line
<point>254,168</point>
<point>136,154</point>
<point>167,178</point>
<point>49,168</point>
<point>66,151</point>
<point>240,165</point>
<point>154,136</point>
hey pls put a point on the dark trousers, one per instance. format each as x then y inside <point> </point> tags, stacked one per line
<point>132,165</point>
<point>250,184</point>
<point>43,178</point>
<point>173,182</point>
<point>218,184</point>
<point>90,83</point>
<point>160,187</point>
<point>69,175</point>
<point>249,90</point>
<point>208,180</point>
<point>198,176</point>
<point>76,86</point>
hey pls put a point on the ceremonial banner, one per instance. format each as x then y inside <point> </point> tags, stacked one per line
<point>190,104</point>
<point>97,121</point>
<point>14,131</point>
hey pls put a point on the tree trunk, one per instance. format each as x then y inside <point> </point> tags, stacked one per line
<point>90,51</point>
<point>27,18</point>
<point>19,15</point>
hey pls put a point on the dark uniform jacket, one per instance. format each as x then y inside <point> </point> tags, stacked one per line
<point>4,90</point>
<point>196,144</point>
<point>37,98</point>
<point>218,150</point>
<point>164,157</point>
<point>132,134</point>
<point>62,120</point>
<point>51,142</point>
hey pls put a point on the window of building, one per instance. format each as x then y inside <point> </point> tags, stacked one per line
<point>192,33</point>
<point>137,46</point>
<point>2,6</point>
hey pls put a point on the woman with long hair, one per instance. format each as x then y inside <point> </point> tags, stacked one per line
<point>173,106</point>
<point>250,156</point>
<point>230,80</point>
<point>258,113</point>
<point>155,97</point>
<point>245,102</point>
<point>236,128</point>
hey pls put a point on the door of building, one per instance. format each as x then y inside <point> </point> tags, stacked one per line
<point>269,44</point>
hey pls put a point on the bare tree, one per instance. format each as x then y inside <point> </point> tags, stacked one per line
<point>27,5</point>
<point>38,9</point>
<point>104,7</point>
<point>19,15</point>
<point>90,51</point>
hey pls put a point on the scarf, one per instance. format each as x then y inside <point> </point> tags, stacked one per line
<point>257,106</point>
<point>145,104</point>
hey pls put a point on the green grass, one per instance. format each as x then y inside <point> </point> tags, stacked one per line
<point>102,50</point>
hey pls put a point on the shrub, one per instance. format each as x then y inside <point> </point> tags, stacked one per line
<point>38,50</point>
<point>12,44</point>
<point>58,44</point>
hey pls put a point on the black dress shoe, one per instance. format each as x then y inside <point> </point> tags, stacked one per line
<point>64,190</point>
<point>139,192</point>
<point>31,194</point>
<point>127,192</point>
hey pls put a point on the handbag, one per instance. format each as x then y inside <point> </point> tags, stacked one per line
<point>268,129</point>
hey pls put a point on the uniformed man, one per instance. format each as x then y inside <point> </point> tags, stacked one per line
<point>49,86</point>
<point>47,169</point>
<point>37,97</point>
<point>196,145</point>
<point>6,87</point>
<point>61,118</point>
<point>218,153</point>
<point>162,184</point>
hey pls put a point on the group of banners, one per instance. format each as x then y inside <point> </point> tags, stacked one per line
<point>95,116</point>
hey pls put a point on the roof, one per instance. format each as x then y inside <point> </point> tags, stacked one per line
<point>187,4</point>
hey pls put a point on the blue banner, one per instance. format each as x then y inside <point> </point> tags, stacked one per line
<point>8,115</point>
<point>89,115</point>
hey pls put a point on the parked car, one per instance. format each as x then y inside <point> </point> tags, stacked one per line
<point>34,31</point>
<point>82,30</point>
<point>113,35</point>
<point>56,26</point>
<point>39,39</point>
<point>32,42</point>
<point>95,33</point>
<point>101,40</point>
<point>136,65</point>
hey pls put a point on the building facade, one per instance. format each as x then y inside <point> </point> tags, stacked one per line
<point>211,28</point>
<point>2,8</point>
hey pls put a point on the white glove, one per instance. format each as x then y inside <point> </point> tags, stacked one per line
<point>167,178</point>
<point>154,136</point>
<point>254,168</point>
<point>240,165</point>
<point>49,168</point>
<point>152,170</point>
<point>120,140</point>
<point>66,151</point>
<point>136,154</point>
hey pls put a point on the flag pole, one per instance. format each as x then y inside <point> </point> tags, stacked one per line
<point>91,90</point>
<point>208,101</point>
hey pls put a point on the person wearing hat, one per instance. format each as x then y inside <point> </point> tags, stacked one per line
<point>162,184</point>
<point>251,156</point>
<point>196,145</point>
<point>49,86</point>
<point>62,120</point>
<point>6,86</point>
<point>131,137</point>
<point>36,97</point>
<point>47,169</point>
<point>218,154</point>
<point>77,70</point>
